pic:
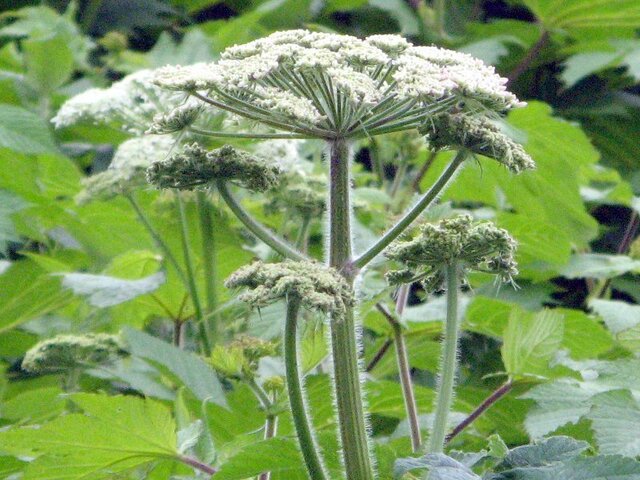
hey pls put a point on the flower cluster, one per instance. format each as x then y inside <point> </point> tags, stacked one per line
<point>65,352</point>
<point>477,134</point>
<point>303,193</point>
<point>323,85</point>
<point>317,286</point>
<point>130,104</point>
<point>475,246</point>
<point>127,169</point>
<point>195,167</point>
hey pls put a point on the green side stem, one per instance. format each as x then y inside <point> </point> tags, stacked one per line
<point>209,265</point>
<point>344,341</point>
<point>301,420</point>
<point>413,213</point>
<point>191,279</point>
<point>449,363</point>
<point>157,239</point>
<point>255,227</point>
<point>440,10</point>
<point>404,369</point>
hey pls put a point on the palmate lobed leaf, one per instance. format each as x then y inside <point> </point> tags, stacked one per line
<point>113,434</point>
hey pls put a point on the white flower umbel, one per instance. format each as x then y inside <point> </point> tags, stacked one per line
<point>127,169</point>
<point>129,104</point>
<point>321,85</point>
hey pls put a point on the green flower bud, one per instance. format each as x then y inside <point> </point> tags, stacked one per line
<point>274,384</point>
<point>240,359</point>
<point>317,286</point>
<point>196,167</point>
<point>65,352</point>
<point>477,134</point>
<point>476,246</point>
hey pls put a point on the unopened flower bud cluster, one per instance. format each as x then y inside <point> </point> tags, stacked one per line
<point>65,352</point>
<point>194,167</point>
<point>477,134</point>
<point>317,286</point>
<point>474,246</point>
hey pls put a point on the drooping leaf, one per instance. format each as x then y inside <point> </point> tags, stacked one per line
<point>618,316</point>
<point>196,375</point>
<point>598,265</point>
<point>103,291</point>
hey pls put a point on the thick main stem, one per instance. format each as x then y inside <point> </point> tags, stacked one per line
<point>413,213</point>
<point>301,421</point>
<point>209,265</point>
<point>344,341</point>
<point>449,363</point>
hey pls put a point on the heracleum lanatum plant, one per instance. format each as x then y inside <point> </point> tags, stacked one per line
<point>338,89</point>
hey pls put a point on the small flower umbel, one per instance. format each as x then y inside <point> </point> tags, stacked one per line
<point>306,284</point>
<point>478,134</point>
<point>196,168</point>
<point>440,255</point>
<point>71,354</point>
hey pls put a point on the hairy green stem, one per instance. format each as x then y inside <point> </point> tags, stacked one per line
<point>191,279</point>
<point>344,341</point>
<point>449,363</point>
<point>270,430</point>
<point>209,265</point>
<point>255,227</point>
<point>413,213</point>
<point>301,420</point>
<point>404,370</point>
<point>303,234</point>
<point>440,16</point>
<point>157,239</point>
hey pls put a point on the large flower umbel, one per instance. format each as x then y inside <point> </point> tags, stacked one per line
<point>322,85</point>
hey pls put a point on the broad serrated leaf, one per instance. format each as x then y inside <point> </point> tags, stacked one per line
<point>615,419</point>
<point>553,449</point>
<point>104,291</point>
<point>530,341</point>
<point>196,375</point>
<point>113,434</point>
<point>277,455</point>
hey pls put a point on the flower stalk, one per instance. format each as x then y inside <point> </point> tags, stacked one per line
<point>344,340</point>
<point>209,265</point>
<point>299,412</point>
<point>449,362</point>
<point>413,213</point>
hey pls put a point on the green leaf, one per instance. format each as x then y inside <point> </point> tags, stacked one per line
<point>618,316</point>
<point>554,449</point>
<point>104,291</point>
<point>586,14</point>
<point>615,419</point>
<point>277,455</point>
<point>27,292</point>
<point>440,467</point>
<point>590,468</point>
<point>598,265</point>
<point>9,204</point>
<point>582,65</point>
<point>530,341</point>
<point>24,132</point>
<point>196,375</point>
<point>33,406</point>
<point>114,434</point>
<point>49,62</point>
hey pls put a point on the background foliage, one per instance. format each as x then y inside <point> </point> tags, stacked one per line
<point>569,336</point>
